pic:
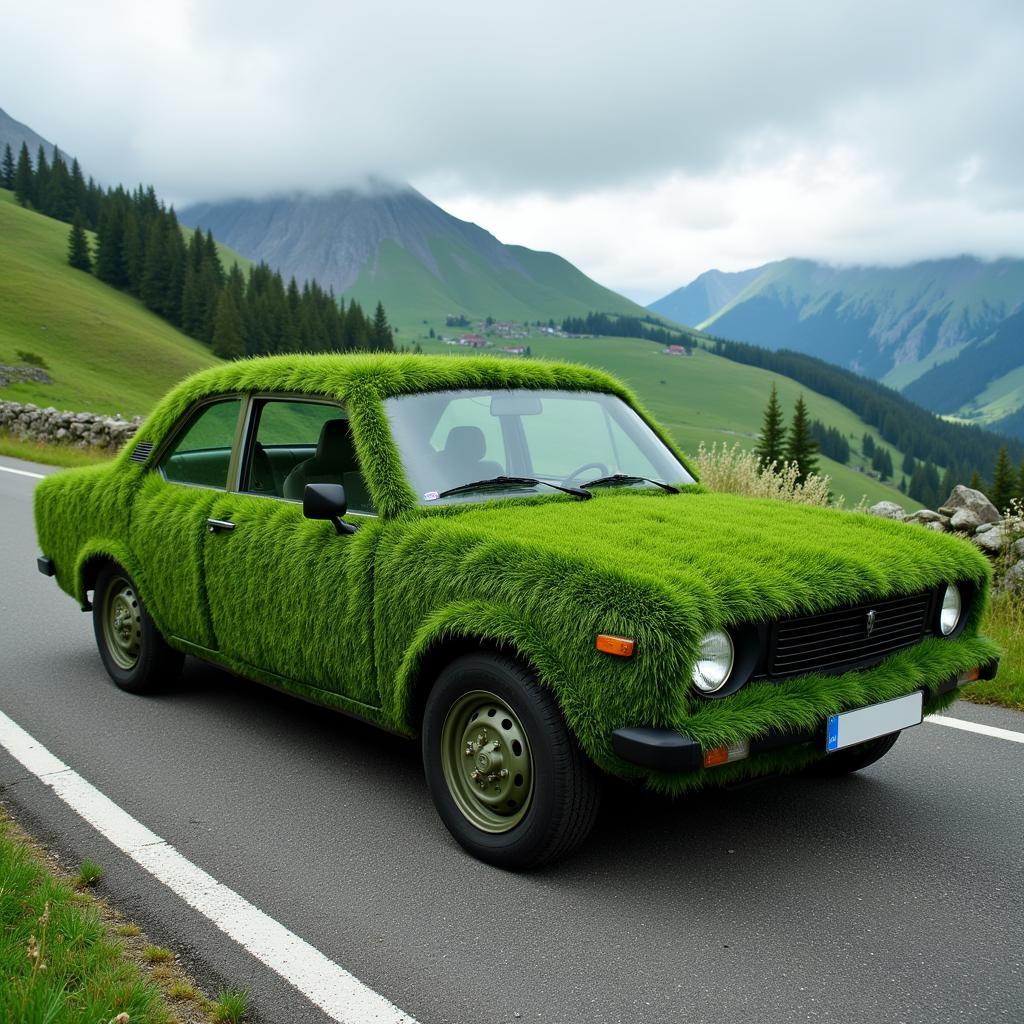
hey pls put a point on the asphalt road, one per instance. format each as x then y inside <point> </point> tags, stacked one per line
<point>896,895</point>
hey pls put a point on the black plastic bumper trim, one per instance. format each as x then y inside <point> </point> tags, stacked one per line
<point>663,749</point>
<point>46,566</point>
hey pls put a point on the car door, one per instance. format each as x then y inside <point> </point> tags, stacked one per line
<point>169,516</point>
<point>287,595</point>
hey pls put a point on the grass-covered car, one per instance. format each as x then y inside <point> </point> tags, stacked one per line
<point>512,560</point>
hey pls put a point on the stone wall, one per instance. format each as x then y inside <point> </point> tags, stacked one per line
<point>76,429</point>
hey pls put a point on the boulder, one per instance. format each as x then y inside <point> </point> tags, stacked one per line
<point>992,540</point>
<point>1013,578</point>
<point>965,520</point>
<point>926,517</point>
<point>974,501</point>
<point>888,510</point>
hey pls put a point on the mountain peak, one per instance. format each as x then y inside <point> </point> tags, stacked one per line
<point>382,239</point>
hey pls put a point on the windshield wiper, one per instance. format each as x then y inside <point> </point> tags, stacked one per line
<point>514,481</point>
<point>625,478</point>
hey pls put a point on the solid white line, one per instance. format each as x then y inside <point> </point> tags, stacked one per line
<point>984,730</point>
<point>23,472</point>
<point>338,993</point>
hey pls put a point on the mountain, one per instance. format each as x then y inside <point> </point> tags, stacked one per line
<point>14,133</point>
<point>900,325</point>
<point>390,243</point>
<point>703,297</point>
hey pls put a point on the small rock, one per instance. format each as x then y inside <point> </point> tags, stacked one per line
<point>992,540</point>
<point>1013,578</point>
<point>965,520</point>
<point>984,528</point>
<point>888,510</point>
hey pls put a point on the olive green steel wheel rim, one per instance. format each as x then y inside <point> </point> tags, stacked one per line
<point>122,623</point>
<point>487,761</point>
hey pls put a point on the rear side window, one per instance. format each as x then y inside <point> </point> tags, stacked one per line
<point>201,455</point>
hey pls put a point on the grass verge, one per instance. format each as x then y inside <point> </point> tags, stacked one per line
<point>1004,624</point>
<point>67,957</point>
<point>50,454</point>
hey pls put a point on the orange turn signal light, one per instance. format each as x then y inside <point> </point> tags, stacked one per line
<point>617,645</point>
<point>970,676</point>
<point>717,756</point>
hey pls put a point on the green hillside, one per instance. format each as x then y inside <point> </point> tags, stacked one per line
<point>711,399</point>
<point>103,349</point>
<point>467,283</point>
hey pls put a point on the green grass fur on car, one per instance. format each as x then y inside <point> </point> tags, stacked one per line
<point>352,621</point>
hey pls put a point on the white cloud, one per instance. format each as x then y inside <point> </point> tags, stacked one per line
<point>645,141</point>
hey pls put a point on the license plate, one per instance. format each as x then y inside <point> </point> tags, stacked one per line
<point>868,723</point>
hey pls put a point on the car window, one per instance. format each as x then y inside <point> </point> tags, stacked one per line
<point>295,443</point>
<point>202,454</point>
<point>448,439</point>
<point>469,415</point>
<point>574,432</point>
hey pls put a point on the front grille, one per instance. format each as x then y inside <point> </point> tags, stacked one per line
<point>840,639</point>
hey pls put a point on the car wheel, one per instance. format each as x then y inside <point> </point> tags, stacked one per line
<point>853,758</point>
<point>505,774</point>
<point>134,653</point>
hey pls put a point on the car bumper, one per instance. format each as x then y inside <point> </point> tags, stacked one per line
<point>669,751</point>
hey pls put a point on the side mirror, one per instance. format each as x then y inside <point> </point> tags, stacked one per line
<point>326,501</point>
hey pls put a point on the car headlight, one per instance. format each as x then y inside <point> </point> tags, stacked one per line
<point>715,661</point>
<point>952,609</point>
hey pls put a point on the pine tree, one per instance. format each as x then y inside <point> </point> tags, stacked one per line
<point>23,177</point>
<point>909,464</point>
<point>867,446</point>
<point>977,484</point>
<point>800,444</point>
<point>79,255</point>
<point>381,339</point>
<point>41,181</point>
<point>1004,481</point>
<point>228,340</point>
<point>772,441</point>
<point>7,168</point>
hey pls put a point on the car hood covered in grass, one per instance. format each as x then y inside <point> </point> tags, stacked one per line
<point>718,559</point>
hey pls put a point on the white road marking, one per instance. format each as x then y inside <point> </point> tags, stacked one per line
<point>338,993</point>
<point>23,472</point>
<point>984,730</point>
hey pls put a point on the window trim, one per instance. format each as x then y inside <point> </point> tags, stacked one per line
<point>185,422</point>
<point>247,436</point>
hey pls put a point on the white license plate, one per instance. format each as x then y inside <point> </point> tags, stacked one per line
<point>868,723</point>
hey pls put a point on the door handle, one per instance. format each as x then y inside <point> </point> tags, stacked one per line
<point>213,525</point>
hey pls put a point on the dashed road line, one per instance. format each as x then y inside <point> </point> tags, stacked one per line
<point>983,730</point>
<point>341,995</point>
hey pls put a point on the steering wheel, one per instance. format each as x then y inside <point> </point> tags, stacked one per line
<point>599,466</point>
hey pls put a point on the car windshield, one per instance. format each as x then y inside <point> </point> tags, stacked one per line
<point>448,439</point>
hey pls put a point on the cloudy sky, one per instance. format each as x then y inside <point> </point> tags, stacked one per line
<point>645,141</point>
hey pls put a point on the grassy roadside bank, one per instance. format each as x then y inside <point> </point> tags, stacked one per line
<point>66,957</point>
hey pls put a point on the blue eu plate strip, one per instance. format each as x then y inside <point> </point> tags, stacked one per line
<point>832,740</point>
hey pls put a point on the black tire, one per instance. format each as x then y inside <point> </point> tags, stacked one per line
<point>564,789</point>
<point>134,653</point>
<point>843,762</point>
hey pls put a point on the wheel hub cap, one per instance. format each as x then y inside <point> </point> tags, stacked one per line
<point>487,761</point>
<point>122,623</point>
